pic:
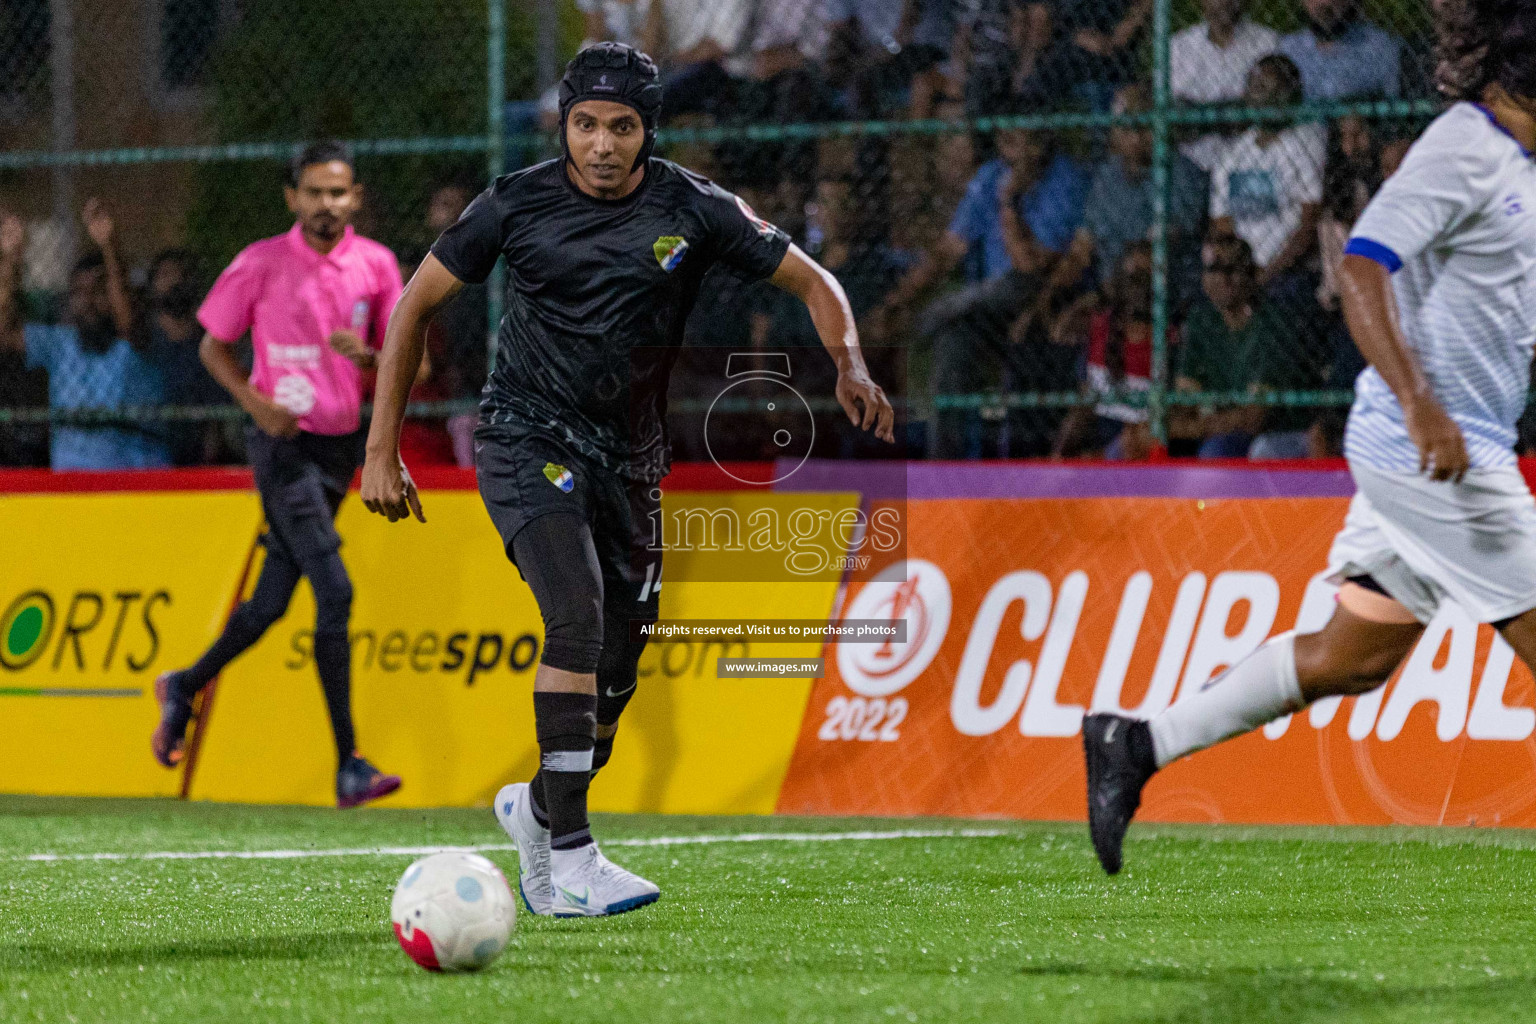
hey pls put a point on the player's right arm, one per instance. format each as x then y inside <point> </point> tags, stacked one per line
<point>1443,183</point>
<point>387,488</point>
<point>227,312</point>
<point>223,367</point>
<point>1370,309</point>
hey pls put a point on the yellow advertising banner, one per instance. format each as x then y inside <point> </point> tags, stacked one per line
<point>445,641</point>
<point>99,593</point>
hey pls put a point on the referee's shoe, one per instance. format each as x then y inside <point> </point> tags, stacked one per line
<point>358,782</point>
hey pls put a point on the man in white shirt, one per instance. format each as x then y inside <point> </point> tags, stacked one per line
<point>1436,285</point>
<point>1209,63</point>
<point>1267,187</point>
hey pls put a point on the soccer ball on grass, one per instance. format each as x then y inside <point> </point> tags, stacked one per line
<point>453,912</point>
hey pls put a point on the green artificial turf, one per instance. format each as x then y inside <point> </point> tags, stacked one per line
<point>1205,924</point>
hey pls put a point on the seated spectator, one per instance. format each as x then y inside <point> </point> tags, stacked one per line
<point>1007,55</point>
<point>618,21</point>
<point>456,354</point>
<point>90,362</point>
<point>1099,43</point>
<point>782,83</point>
<point>1018,216</point>
<point>1208,64</point>
<point>169,335</point>
<point>1115,331</point>
<point>1359,160</point>
<point>876,49</point>
<point>1118,212</point>
<point>866,267</point>
<point>1350,178</point>
<point>21,386</point>
<point>691,41</point>
<point>936,42</point>
<point>1268,184</point>
<point>1236,340</point>
<point>1341,55</point>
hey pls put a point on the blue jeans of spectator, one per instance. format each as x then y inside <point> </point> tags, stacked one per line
<point>1281,444</point>
<point>969,329</point>
<point>702,88</point>
<point>1226,446</point>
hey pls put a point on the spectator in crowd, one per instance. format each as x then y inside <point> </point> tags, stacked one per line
<point>1268,184</point>
<point>843,243</point>
<point>1350,177</point>
<point>90,362</point>
<point>1005,52</point>
<point>168,333</point>
<point>1115,331</point>
<point>1361,155</point>
<point>619,21</point>
<point>1342,55</point>
<point>929,174</point>
<point>782,83</point>
<point>874,53</point>
<point>692,40</point>
<point>1208,64</point>
<point>1118,212</point>
<point>1236,340</point>
<point>941,55</point>
<point>456,353</point>
<point>21,386</point>
<point>1018,216</point>
<point>1099,45</point>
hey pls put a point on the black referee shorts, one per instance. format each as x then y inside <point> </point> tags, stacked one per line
<point>302,480</point>
<point>524,475</point>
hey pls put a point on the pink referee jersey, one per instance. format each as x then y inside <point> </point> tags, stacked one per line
<point>291,298</point>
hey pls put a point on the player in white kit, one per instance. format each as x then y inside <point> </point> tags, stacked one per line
<point>1439,290</point>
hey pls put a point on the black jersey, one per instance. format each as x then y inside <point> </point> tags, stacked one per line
<point>598,296</point>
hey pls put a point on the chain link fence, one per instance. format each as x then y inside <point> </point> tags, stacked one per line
<point>1079,226</point>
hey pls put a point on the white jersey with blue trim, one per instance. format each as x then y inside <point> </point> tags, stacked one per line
<point>1456,225</point>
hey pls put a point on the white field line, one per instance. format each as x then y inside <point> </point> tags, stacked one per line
<point>422,851</point>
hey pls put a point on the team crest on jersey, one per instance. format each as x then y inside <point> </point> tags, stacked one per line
<point>359,314</point>
<point>763,227</point>
<point>669,250</point>
<point>559,476</point>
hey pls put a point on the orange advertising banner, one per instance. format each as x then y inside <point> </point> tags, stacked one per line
<point>1024,614</point>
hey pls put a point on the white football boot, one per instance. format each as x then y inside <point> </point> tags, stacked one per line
<point>514,813</point>
<point>587,884</point>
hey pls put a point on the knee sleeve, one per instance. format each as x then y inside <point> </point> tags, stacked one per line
<point>556,557</point>
<point>617,670</point>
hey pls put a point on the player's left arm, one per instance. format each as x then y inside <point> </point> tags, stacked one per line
<point>804,278</point>
<point>387,488</point>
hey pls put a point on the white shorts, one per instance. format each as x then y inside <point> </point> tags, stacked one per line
<point>1425,542</point>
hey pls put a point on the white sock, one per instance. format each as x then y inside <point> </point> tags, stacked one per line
<point>1258,689</point>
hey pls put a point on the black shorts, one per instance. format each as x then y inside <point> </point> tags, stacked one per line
<point>302,480</point>
<point>524,475</point>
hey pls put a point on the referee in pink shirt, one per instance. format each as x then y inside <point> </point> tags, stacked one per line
<point>316,301</point>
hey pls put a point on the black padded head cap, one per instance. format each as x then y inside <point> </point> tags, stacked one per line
<point>617,73</point>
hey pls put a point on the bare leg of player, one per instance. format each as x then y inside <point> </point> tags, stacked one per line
<point>1368,636</point>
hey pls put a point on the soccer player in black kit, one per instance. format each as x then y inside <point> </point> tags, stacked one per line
<point>606,247</point>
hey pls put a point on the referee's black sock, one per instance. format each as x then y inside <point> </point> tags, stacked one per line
<point>333,658</point>
<point>567,730</point>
